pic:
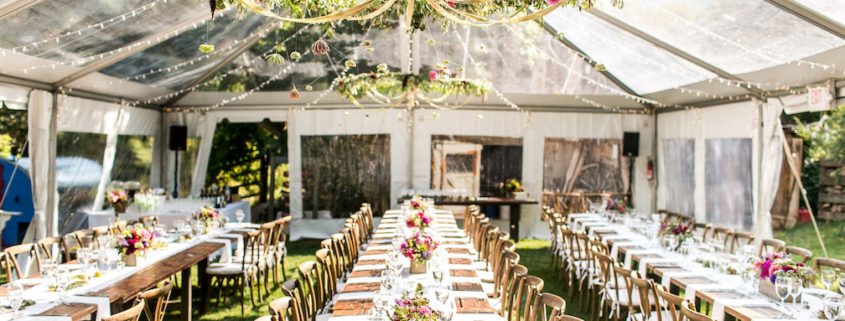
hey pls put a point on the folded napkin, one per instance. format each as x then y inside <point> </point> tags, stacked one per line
<point>644,262</point>
<point>368,267</point>
<point>225,252</point>
<point>353,296</point>
<point>614,250</point>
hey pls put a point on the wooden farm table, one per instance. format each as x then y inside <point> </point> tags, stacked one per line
<point>513,203</point>
<point>125,290</point>
<point>702,297</point>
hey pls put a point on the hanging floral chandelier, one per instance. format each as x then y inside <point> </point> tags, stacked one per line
<point>383,13</point>
<point>404,89</point>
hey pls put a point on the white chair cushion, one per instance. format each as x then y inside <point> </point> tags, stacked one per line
<point>225,269</point>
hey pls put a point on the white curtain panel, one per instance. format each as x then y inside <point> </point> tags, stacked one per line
<point>772,160</point>
<point>45,220</point>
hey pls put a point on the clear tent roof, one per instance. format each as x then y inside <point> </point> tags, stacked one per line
<point>735,37</point>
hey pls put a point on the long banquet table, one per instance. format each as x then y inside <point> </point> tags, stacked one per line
<point>356,298</point>
<point>721,294</point>
<point>113,289</point>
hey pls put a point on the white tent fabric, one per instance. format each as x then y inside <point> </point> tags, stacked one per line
<point>772,159</point>
<point>42,151</point>
<point>15,97</point>
<point>731,121</point>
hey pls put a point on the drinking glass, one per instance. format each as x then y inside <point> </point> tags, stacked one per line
<point>441,294</point>
<point>62,282</point>
<point>748,275</point>
<point>239,215</point>
<point>48,267</point>
<point>437,274</point>
<point>386,280</point>
<point>782,286</point>
<point>832,306</point>
<point>828,277</point>
<point>795,288</point>
<point>15,296</point>
<point>448,309</point>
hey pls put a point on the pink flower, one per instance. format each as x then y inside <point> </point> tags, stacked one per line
<point>451,4</point>
<point>432,75</point>
<point>552,2</point>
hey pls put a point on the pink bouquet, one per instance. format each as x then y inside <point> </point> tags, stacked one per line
<point>414,308</point>
<point>419,247</point>
<point>418,220</point>
<point>682,231</point>
<point>418,204</point>
<point>773,264</point>
<point>117,197</point>
<point>136,238</point>
<point>208,213</point>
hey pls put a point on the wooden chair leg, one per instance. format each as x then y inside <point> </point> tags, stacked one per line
<point>243,297</point>
<point>284,270</point>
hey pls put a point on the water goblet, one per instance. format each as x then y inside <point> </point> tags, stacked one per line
<point>239,215</point>
<point>828,277</point>
<point>15,296</point>
<point>796,288</point>
<point>782,287</point>
<point>48,267</point>
<point>748,275</point>
<point>62,282</point>
<point>832,306</point>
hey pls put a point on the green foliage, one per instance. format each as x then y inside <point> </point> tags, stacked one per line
<point>354,87</point>
<point>805,236</point>
<point>13,131</point>
<point>827,137</point>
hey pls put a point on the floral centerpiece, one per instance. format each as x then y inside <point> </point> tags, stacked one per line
<point>680,231</point>
<point>419,248</point>
<point>510,187</point>
<point>414,308</point>
<point>134,242</point>
<point>418,204</point>
<point>118,200</point>
<point>617,206</point>
<point>418,220</point>
<point>779,264</point>
<point>208,213</point>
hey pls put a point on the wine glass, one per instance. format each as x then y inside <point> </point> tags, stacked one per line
<point>832,306</point>
<point>828,277</point>
<point>239,215</point>
<point>14,294</point>
<point>48,266</point>
<point>748,275</point>
<point>448,309</point>
<point>62,282</point>
<point>782,286</point>
<point>795,288</point>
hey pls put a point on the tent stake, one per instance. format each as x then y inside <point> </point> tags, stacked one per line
<point>788,153</point>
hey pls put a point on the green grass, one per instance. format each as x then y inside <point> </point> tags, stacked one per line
<point>298,252</point>
<point>804,236</point>
<point>534,255</point>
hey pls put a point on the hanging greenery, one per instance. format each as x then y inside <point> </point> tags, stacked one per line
<point>395,88</point>
<point>384,13</point>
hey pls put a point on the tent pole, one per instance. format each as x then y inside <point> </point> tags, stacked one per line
<point>52,228</point>
<point>788,154</point>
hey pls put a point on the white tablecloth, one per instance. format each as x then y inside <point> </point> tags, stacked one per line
<point>99,218</point>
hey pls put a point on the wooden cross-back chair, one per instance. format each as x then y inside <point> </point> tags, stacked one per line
<point>720,235</point>
<point>312,281</point>
<point>532,287</point>
<point>799,254</point>
<point>344,260</point>
<point>13,269</point>
<point>268,250</point>
<point>649,306</point>
<point>326,262</point>
<point>547,307</point>
<point>334,261</point>
<point>673,304</point>
<point>821,263</point>
<point>98,231</point>
<point>690,313</point>
<point>244,273</point>
<point>156,301</point>
<point>131,314</point>
<point>701,229</point>
<point>489,241</point>
<point>293,288</point>
<point>282,309</point>
<point>46,246</point>
<point>770,246</point>
<point>518,272</point>
<point>605,283</point>
<point>502,271</point>
<point>522,288</point>
<point>738,240</point>
<point>624,293</point>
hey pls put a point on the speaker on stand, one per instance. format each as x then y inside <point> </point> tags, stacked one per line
<point>178,142</point>
<point>631,149</point>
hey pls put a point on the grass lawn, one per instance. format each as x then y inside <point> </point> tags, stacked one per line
<point>804,236</point>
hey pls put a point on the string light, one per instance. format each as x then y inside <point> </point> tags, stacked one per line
<point>128,48</point>
<point>90,27</point>
<point>725,40</point>
<point>226,49</point>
